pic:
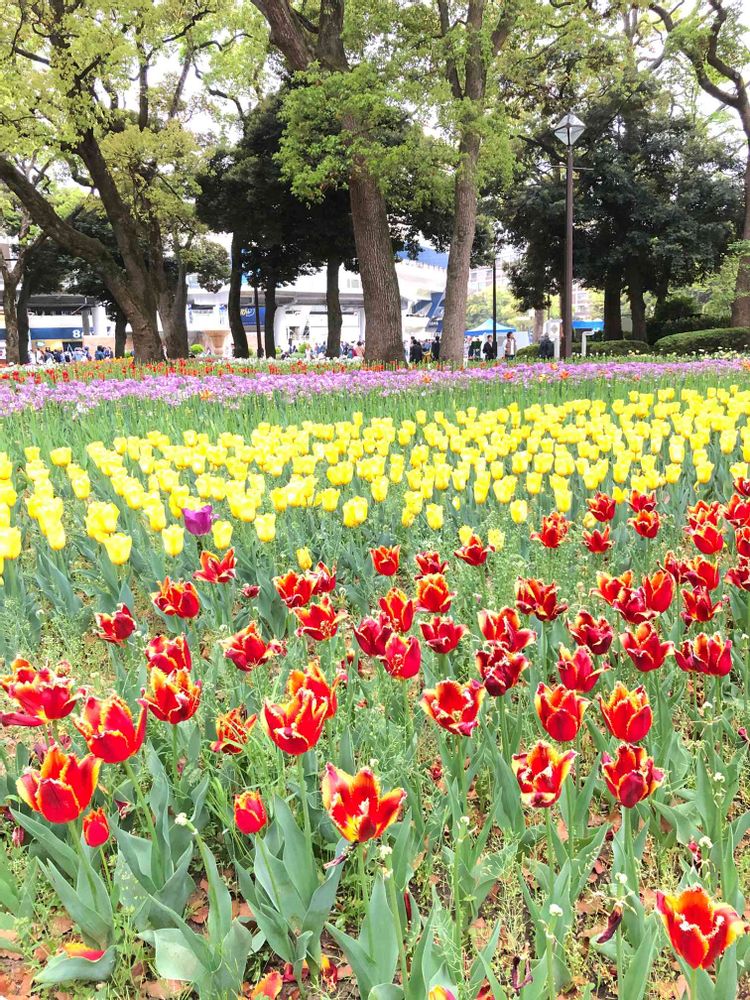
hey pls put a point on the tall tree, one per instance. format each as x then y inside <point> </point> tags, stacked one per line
<point>711,35</point>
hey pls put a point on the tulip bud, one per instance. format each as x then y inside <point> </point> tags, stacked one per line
<point>95,828</point>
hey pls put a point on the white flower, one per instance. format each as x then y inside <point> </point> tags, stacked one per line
<point>705,843</point>
<point>555,910</point>
<point>719,777</point>
<point>181,819</point>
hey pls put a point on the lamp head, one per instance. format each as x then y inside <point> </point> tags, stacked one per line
<point>569,129</point>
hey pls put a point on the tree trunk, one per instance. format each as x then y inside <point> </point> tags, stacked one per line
<point>121,333</point>
<point>269,294</point>
<point>382,298</point>
<point>538,329</point>
<point>12,343</point>
<point>459,258</point>
<point>234,312</point>
<point>258,333</point>
<point>612,311</point>
<point>741,304</point>
<point>637,303</point>
<point>333,307</point>
<point>172,299</point>
<point>22,317</point>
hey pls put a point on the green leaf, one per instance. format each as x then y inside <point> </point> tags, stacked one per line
<point>65,969</point>
<point>94,925</point>
<point>174,958</point>
<point>636,978</point>
<point>53,847</point>
<point>386,991</point>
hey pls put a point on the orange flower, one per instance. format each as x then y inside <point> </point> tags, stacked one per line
<point>433,594</point>
<point>324,579</point>
<point>115,628</point>
<point>602,506</point>
<point>232,730</point>
<point>560,711</point>
<point>658,591</point>
<point>294,589</point>
<point>611,587</point>
<point>108,727</point>
<point>178,598</point>
<point>704,655</point>
<point>630,777</point>
<point>168,653</point>
<point>215,569</point>
<point>63,786</point>
<point>534,597</point>
<point>646,523</point>
<point>295,726</point>
<point>553,530</point>
<point>373,635</point>
<point>641,501</point>
<point>737,511</point>
<point>314,680</point>
<point>77,949</point>
<point>269,986</point>
<point>247,648</point>
<point>698,606</point>
<point>645,648</point>
<point>597,541</point>
<point>627,714</point>
<point>249,812</point>
<point>453,706</point>
<point>577,670</point>
<point>429,563</point>
<point>739,575</point>
<point>442,635</point>
<point>386,559</point>
<point>43,695</point>
<point>398,609</point>
<point>402,657</point>
<point>500,668</point>
<point>699,928</point>
<point>474,552</point>
<point>540,774</point>
<point>355,805</point>
<point>174,697</point>
<point>95,828</point>
<point>504,626</point>
<point>596,636</point>
<point>319,622</point>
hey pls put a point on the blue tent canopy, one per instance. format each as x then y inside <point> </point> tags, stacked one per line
<point>486,327</point>
<point>588,324</point>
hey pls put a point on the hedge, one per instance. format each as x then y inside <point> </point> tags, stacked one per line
<point>656,329</point>
<point>597,349</point>
<point>725,339</point>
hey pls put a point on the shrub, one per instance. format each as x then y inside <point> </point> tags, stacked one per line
<point>617,347</point>
<point>196,349</point>
<point>664,328</point>
<point>724,339</point>
<point>530,353</point>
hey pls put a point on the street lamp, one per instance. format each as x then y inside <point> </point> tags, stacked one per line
<point>569,130</point>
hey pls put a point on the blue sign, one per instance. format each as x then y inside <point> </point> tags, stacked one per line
<point>52,333</point>
<point>248,315</point>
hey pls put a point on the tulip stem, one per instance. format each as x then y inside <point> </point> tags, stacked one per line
<point>397,919</point>
<point>361,850</point>
<point>303,796</point>
<point>408,720</point>
<point>570,804</point>
<point>718,709</point>
<point>551,858</point>
<point>175,755</point>
<point>504,728</point>
<point>693,984</point>
<point>145,809</point>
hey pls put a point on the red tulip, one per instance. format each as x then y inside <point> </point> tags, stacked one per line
<point>631,776</point>
<point>504,626</point>
<point>739,575</point>
<point>95,828</point>
<point>319,622</point>
<point>453,706</point>
<point>109,729</point>
<point>442,635</point>
<point>372,635</point>
<point>500,668</point>
<point>645,648</point>
<point>174,697</point>
<point>699,928</point>
<point>577,671</point>
<point>541,772</point>
<point>742,542</point>
<point>737,511</point>
<point>611,587</point>
<point>269,986</point>
<point>698,606</point>
<point>63,786</point>
<point>324,579</point>
<point>402,657</point>
<point>314,680</point>
<point>358,810</point>
<point>385,560</point>
<point>631,604</point>
<point>534,597</point>
<point>707,538</point>
<point>295,726</point>
<point>703,512</point>
<point>249,813</point>
<point>706,655</point>
<point>429,563</point>
<point>168,653</point>
<point>294,589</point>
<point>646,523</point>
<point>627,714</point>
<point>560,711</point>
<point>233,729</point>
<point>702,572</point>
<point>594,635</point>
<point>552,531</point>
<point>115,628</point>
<point>642,501</point>
<point>474,553</point>
<point>216,569</point>
<point>602,506</point>
<point>398,609</point>
<point>742,486</point>
<point>658,591</point>
<point>247,648</point>
<point>433,594</point>
<point>178,599</point>
<point>77,949</point>
<point>597,542</point>
<point>44,695</point>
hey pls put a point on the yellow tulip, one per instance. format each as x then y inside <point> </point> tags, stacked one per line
<point>265,527</point>
<point>496,538</point>
<point>56,537</point>
<point>464,534</point>
<point>329,499</point>
<point>354,512</point>
<point>32,453</point>
<point>304,559</point>
<point>81,487</point>
<point>173,539</point>
<point>519,511</point>
<point>10,543</point>
<point>407,518</point>
<point>434,514</point>
<point>222,532</point>
<point>61,456</point>
<point>118,548</point>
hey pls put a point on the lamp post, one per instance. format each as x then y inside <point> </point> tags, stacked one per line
<point>568,130</point>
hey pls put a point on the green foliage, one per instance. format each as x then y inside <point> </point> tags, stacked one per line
<point>728,339</point>
<point>689,324</point>
<point>605,348</point>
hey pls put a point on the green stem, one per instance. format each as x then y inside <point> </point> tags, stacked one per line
<point>393,895</point>
<point>145,809</point>
<point>175,755</point>
<point>551,967</point>
<point>618,944</point>
<point>361,850</point>
<point>303,796</point>
<point>718,710</point>
<point>693,984</point>
<point>408,718</point>
<point>551,857</point>
<point>75,831</point>
<point>260,845</point>
<point>457,900</point>
<point>504,727</point>
<point>570,809</point>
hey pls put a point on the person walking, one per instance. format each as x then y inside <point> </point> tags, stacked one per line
<point>510,346</point>
<point>435,348</point>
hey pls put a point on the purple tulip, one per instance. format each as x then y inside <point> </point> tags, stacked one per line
<point>198,522</point>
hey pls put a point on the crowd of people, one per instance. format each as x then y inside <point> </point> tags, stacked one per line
<point>66,355</point>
